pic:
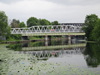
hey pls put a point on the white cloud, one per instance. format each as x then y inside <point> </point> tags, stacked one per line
<point>9,1</point>
<point>76,2</point>
<point>51,9</point>
<point>27,8</point>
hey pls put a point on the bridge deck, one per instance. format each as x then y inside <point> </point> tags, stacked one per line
<point>49,30</point>
<point>42,34</point>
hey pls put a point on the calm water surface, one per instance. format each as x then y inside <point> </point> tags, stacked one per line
<point>50,58</point>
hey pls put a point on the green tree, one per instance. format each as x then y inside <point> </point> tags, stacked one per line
<point>96,31</point>
<point>55,23</point>
<point>32,21</point>
<point>15,23</point>
<point>22,24</point>
<point>4,29</point>
<point>44,22</point>
<point>90,23</point>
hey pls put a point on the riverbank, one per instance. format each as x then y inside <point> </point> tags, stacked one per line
<point>30,40</point>
<point>19,41</point>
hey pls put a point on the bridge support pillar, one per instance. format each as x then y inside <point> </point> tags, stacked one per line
<point>25,38</point>
<point>64,39</point>
<point>46,37</point>
<point>69,39</point>
<point>74,40</point>
<point>47,40</point>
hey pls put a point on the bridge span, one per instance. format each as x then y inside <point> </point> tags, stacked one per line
<point>49,30</point>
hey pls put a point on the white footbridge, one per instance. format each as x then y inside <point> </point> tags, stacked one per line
<point>49,30</point>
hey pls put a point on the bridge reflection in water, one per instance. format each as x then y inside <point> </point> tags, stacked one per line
<point>46,53</point>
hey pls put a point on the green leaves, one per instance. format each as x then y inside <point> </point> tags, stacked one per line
<point>96,31</point>
<point>3,17</point>
<point>22,24</point>
<point>55,23</point>
<point>44,22</point>
<point>90,24</point>
<point>3,24</point>
<point>32,21</point>
<point>15,23</point>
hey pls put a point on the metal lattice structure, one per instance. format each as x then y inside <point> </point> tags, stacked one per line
<point>48,54</point>
<point>47,29</point>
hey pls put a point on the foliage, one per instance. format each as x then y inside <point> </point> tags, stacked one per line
<point>32,21</point>
<point>15,23</point>
<point>22,24</point>
<point>13,37</point>
<point>96,31</point>
<point>4,28</point>
<point>16,47</point>
<point>3,23</point>
<point>44,22</point>
<point>3,17</point>
<point>8,32</point>
<point>55,23</point>
<point>90,23</point>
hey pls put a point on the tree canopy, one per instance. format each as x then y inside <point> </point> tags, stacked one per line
<point>44,22</point>
<point>90,24</point>
<point>22,24</point>
<point>15,23</point>
<point>4,29</point>
<point>32,21</point>
<point>96,31</point>
<point>55,23</point>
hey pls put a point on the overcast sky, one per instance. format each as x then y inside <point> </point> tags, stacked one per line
<point>64,11</point>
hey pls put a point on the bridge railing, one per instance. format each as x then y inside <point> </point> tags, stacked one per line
<point>47,29</point>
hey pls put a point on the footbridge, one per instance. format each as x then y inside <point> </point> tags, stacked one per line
<point>49,30</point>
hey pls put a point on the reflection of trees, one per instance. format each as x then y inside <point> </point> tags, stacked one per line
<point>16,47</point>
<point>42,43</point>
<point>92,54</point>
<point>35,44</point>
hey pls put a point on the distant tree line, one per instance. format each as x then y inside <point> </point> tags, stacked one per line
<point>17,24</point>
<point>32,21</point>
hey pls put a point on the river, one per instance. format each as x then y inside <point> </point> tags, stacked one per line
<point>54,57</point>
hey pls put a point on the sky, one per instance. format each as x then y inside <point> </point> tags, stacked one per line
<point>64,11</point>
